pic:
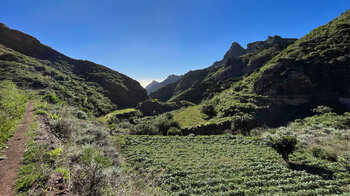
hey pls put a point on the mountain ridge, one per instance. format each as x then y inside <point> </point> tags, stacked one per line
<point>119,89</point>
<point>200,84</point>
<point>155,85</point>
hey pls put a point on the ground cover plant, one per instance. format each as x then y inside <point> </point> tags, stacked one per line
<point>229,165</point>
<point>12,107</point>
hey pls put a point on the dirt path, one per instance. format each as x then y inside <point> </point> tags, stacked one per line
<point>13,154</point>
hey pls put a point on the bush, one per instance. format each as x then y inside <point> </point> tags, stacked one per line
<point>209,110</point>
<point>174,131</point>
<point>51,99</point>
<point>81,115</point>
<point>164,122</point>
<point>324,153</point>
<point>283,144</point>
<point>321,109</point>
<point>41,112</point>
<point>144,129</point>
<point>63,128</point>
<point>243,122</point>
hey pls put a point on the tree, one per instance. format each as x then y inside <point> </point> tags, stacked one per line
<point>283,144</point>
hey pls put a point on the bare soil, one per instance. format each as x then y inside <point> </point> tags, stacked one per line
<point>10,165</point>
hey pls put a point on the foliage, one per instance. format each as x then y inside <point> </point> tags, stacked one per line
<point>209,110</point>
<point>321,109</point>
<point>174,131</point>
<point>51,99</point>
<point>12,107</point>
<point>117,113</point>
<point>243,122</point>
<point>35,169</point>
<point>40,112</point>
<point>344,160</point>
<point>95,162</point>
<point>190,116</point>
<point>227,165</point>
<point>284,144</point>
<point>324,152</point>
<point>54,116</point>
<point>81,149</point>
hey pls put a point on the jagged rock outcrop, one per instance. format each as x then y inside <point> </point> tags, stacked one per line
<point>200,84</point>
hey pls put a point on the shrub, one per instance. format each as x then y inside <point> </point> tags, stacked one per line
<point>209,110</point>
<point>41,112</point>
<point>174,131</point>
<point>283,144</point>
<point>243,122</point>
<point>164,122</point>
<point>54,116</point>
<point>94,162</point>
<point>145,129</point>
<point>51,99</point>
<point>81,115</point>
<point>321,109</point>
<point>324,153</point>
<point>63,128</point>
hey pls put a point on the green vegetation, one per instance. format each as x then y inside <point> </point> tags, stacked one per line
<point>77,82</point>
<point>116,113</point>
<point>326,135</point>
<point>36,165</point>
<point>80,149</point>
<point>174,131</point>
<point>283,144</point>
<point>12,107</point>
<point>191,116</point>
<point>229,165</point>
<point>163,148</point>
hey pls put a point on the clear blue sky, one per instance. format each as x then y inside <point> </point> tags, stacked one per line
<point>150,39</point>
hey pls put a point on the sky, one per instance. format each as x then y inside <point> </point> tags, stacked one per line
<point>151,39</point>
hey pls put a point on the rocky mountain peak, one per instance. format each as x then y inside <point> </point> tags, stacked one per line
<point>235,50</point>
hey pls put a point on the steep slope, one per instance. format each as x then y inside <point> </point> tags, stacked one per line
<point>27,62</point>
<point>154,85</point>
<point>200,84</point>
<point>313,71</point>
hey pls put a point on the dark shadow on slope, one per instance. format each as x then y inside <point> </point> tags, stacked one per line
<point>313,169</point>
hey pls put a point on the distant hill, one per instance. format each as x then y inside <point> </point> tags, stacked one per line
<point>197,85</point>
<point>154,85</point>
<point>31,64</point>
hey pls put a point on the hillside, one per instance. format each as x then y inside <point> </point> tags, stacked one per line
<point>154,85</point>
<point>31,64</point>
<point>312,71</point>
<point>200,84</point>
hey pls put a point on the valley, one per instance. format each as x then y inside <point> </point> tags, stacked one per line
<point>269,119</point>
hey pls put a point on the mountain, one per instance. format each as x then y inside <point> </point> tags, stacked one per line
<point>312,71</point>
<point>197,85</point>
<point>151,85</point>
<point>154,85</point>
<point>31,64</point>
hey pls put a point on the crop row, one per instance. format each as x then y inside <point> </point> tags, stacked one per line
<point>224,165</point>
